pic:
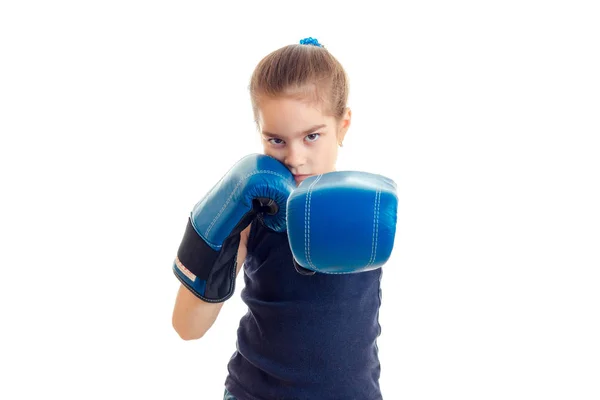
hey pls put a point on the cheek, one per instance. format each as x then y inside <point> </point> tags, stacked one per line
<point>269,151</point>
<point>327,154</point>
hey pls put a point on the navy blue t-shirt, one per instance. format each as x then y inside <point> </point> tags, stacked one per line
<point>304,337</point>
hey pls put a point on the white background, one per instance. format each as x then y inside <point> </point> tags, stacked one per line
<point>117,116</point>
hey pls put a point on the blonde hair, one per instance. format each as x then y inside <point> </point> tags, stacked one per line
<point>304,72</point>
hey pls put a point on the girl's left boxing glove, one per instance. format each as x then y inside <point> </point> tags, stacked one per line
<point>342,222</point>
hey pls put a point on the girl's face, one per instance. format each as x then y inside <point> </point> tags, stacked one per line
<point>298,134</point>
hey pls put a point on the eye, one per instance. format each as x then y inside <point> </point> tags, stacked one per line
<point>313,137</point>
<point>275,141</point>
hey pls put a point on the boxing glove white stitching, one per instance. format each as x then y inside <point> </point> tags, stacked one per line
<point>375,236</point>
<point>307,222</point>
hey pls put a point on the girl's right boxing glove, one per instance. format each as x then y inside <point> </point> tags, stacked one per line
<point>257,186</point>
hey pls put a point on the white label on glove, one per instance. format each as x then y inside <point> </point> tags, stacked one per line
<point>185,271</point>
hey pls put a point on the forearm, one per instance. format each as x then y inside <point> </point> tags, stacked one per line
<point>193,317</point>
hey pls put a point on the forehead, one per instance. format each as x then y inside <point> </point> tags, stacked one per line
<point>285,114</point>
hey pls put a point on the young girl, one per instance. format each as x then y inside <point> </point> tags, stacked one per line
<point>305,336</point>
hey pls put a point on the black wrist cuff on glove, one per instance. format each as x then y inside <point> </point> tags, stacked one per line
<point>197,256</point>
<point>209,274</point>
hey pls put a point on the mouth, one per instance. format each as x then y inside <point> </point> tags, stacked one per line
<point>300,178</point>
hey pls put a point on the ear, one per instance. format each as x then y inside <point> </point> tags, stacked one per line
<point>343,125</point>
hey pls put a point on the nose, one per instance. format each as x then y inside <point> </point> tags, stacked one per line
<point>295,157</point>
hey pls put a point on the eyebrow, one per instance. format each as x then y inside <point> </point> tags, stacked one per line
<point>306,132</point>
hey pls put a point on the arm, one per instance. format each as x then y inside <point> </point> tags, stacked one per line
<point>193,317</point>
<point>213,247</point>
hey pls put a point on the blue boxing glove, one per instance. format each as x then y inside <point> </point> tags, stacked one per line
<point>257,186</point>
<point>342,222</point>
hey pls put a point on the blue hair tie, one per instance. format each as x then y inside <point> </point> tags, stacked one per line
<point>311,41</point>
